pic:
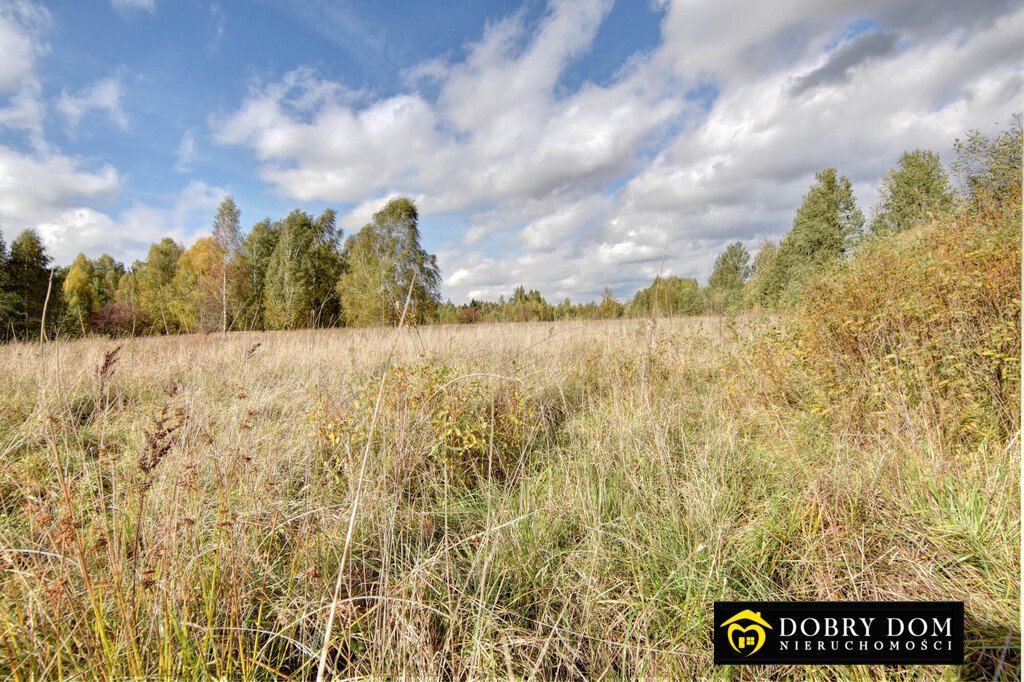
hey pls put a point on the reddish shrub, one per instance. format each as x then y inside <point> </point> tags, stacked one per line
<point>118,319</point>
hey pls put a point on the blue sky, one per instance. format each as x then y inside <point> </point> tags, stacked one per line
<point>561,145</point>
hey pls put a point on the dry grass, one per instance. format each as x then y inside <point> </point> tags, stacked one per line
<point>541,500</point>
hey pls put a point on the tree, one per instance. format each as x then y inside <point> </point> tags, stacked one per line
<point>302,272</point>
<point>730,272</point>
<point>385,265</point>
<point>227,236</point>
<point>826,227</point>
<point>8,299</point>
<point>915,191</point>
<point>732,268</point>
<point>609,308</point>
<point>154,282</point>
<point>28,268</point>
<point>80,291</point>
<point>989,169</point>
<point>107,274</point>
<point>766,279</point>
<point>668,296</point>
<point>257,248</point>
<point>196,301</point>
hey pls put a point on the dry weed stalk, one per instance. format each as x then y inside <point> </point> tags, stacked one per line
<point>106,370</point>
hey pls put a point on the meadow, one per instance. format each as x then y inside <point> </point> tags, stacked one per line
<point>536,500</point>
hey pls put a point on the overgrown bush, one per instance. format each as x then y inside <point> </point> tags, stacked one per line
<point>929,318</point>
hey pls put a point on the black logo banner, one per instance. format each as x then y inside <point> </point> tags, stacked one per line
<point>839,633</point>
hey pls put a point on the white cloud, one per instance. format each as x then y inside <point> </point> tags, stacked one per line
<point>31,185</point>
<point>22,29</point>
<point>186,152</point>
<point>184,217</point>
<point>128,8</point>
<point>567,188</point>
<point>57,193</point>
<point>21,26</point>
<point>497,130</point>
<point>103,95</point>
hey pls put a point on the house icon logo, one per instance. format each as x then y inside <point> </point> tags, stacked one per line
<point>746,632</point>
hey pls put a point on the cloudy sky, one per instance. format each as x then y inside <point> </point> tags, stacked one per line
<point>562,145</point>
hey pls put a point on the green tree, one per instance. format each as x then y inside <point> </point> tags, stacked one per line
<point>28,268</point>
<point>227,236</point>
<point>107,274</point>
<point>668,296</point>
<point>827,226</point>
<point>257,248</point>
<point>154,283</point>
<point>8,298</point>
<point>80,291</point>
<point>989,169</point>
<point>196,298</point>
<point>384,262</point>
<point>302,271</point>
<point>730,272</point>
<point>609,308</point>
<point>766,279</point>
<point>915,191</point>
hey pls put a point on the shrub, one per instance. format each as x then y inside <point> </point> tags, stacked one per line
<point>118,319</point>
<point>929,319</point>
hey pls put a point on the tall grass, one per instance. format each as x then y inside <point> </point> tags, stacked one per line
<point>540,501</point>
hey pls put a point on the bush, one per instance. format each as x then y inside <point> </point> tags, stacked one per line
<point>118,319</point>
<point>929,319</point>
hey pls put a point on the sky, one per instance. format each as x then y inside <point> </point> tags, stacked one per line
<point>563,145</point>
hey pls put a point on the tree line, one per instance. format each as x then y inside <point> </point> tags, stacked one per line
<point>297,272</point>
<point>285,274</point>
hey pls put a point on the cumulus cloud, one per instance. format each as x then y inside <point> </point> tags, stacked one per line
<point>496,131</point>
<point>58,193</point>
<point>22,43</point>
<point>185,217</point>
<point>714,135</point>
<point>103,96</point>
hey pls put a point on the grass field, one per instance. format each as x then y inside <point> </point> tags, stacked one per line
<point>560,500</point>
